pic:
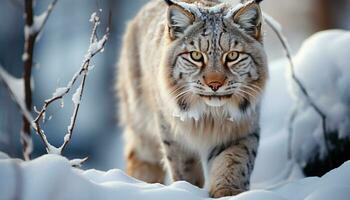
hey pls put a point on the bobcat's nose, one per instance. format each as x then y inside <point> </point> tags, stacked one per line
<point>214,80</point>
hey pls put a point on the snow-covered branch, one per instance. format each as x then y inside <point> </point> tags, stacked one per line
<point>277,28</point>
<point>15,88</point>
<point>35,24</point>
<point>32,28</point>
<point>96,46</point>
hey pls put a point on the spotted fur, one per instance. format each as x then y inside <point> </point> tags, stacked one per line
<point>190,79</point>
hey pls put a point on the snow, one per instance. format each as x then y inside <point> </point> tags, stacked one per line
<point>16,84</point>
<point>96,46</point>
<point>76,96</point>
<point>54,150</point>
<point>93,17</point>
<point>52,177</point>
<point>38,22</point>
<point>25,56</point>
<point>322,66</point>
<point>77,162</point>
<point>60,92</point>
<point>16,87</point>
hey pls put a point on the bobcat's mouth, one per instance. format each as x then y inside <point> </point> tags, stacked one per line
<point>220,97</point>
<point>215,100</point>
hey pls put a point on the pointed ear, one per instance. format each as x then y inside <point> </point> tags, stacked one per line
<point>179,19</point>
<point>249,19</point>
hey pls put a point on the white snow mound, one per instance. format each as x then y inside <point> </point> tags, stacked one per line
<point>322,65</point>
<point>52,177</point>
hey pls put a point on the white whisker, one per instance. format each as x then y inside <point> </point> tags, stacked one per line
<point>177,89</point>
<point>181,94</point>
<point>256,87</point>
<point>248,93</point>
<point>256,92</point>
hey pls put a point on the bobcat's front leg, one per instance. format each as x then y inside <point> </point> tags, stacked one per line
<point>232,165</point>
<point>184,165</point>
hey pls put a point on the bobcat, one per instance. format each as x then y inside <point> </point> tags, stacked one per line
<point>189,81</point>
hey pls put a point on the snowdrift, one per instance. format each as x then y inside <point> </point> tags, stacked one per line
<point>52,177</point>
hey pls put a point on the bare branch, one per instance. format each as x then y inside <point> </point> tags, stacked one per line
<point>33,26</point>
<point>28,62</point>
<point>276,28</point>
<point>96,46</point>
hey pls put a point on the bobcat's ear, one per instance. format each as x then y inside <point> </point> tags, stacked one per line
<point>179,19</point>
<point>249,19</point>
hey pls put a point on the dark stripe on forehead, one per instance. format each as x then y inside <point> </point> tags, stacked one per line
<point>200,43</point>
<point>208,46</point>
<point>221,47</point>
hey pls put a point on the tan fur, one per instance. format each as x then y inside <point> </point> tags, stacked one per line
<point>137,168</point>
<point>193,134</point>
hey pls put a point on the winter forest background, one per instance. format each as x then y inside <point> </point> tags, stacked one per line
<point>63,44</point>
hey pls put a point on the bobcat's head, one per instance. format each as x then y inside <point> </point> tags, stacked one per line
<point>214,57</point>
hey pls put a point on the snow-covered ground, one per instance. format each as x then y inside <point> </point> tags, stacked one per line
<point>274,177</point>
<point>52,177</point>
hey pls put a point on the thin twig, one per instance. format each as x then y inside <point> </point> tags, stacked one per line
<point>302,88</point>
<point>85,69</point>
<point>96,46</point>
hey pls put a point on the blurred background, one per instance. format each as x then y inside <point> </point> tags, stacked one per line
<point>61,48</point>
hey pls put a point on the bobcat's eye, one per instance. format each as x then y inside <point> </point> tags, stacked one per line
<point>197,56</point>
<point>232,56</point>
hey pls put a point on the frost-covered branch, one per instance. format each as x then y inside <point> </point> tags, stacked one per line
<point>96,46</point>
<point>33,26</point>
<point>15,88</point>
<point>276,27</point>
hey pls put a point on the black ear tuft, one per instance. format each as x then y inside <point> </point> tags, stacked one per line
<point>169,2</point>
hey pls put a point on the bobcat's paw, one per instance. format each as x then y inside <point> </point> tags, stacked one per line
<point>224,191</point>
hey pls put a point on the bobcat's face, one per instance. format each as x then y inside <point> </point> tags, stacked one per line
<point>216,55</point>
